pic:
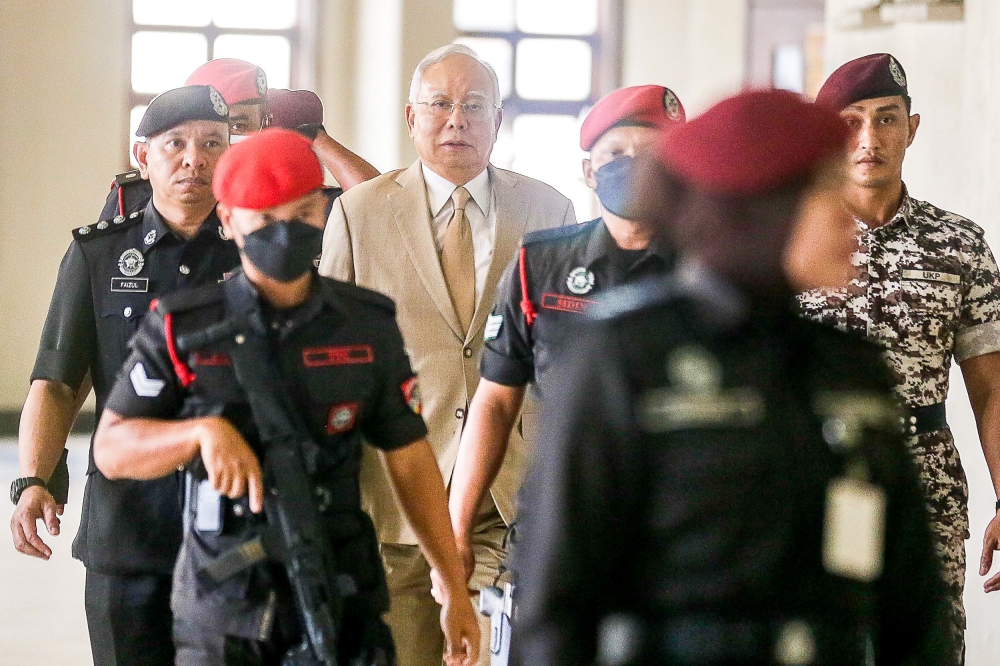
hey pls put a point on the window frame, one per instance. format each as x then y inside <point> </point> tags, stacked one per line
<point>302,41</point>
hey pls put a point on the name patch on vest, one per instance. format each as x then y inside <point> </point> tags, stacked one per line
<point>130,285</point>
<point>210,359</point>
<point>566,303</point>
<point>319,357</point>
<point>931,276</point>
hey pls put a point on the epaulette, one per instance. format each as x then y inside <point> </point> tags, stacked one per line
<point>190,299</point>
<point>132,176</point>
<point>105,227</point>
<point>559,233</point>
<point>359,294</point>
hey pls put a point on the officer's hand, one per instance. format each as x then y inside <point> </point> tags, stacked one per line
<point>232,466</point>
<point>461,631</point>
<point>991,542</point>
<point>36,504</point>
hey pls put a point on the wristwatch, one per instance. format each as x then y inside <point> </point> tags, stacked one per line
<point>22,484</point>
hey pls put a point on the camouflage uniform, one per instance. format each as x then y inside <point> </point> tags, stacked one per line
<point>928,290</point>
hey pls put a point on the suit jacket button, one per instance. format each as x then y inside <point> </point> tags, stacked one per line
<point>459,413</point>
<point>467,352</point>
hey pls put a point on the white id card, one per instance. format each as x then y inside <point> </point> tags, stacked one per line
<point>854,530</point>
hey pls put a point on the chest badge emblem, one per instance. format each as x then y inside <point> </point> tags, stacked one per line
<point>580,280</point>
<point>150,237</point>
<point>131,262</point>
<point>341,418</point>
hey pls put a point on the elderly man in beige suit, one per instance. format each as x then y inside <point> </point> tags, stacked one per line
<point>436,237</point>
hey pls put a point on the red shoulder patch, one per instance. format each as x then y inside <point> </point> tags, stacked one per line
<point>411,393</point>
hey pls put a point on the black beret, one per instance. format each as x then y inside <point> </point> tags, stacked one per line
<point>170,109</point>
<point>870,77</point>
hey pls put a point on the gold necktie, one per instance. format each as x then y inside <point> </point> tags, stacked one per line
<point>458,260</point>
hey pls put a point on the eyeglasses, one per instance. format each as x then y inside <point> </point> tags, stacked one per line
<point>442,108</point>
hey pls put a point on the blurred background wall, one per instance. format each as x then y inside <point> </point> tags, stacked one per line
<point>75,75</point>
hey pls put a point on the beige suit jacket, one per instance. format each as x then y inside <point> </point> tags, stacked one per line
<point>379,236</point>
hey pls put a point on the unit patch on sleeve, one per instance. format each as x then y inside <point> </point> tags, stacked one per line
<point>493,325</point>
<point>411,393</point>
<point>144,386</point>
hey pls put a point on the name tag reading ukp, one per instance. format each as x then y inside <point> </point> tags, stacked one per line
<point>854,530</point>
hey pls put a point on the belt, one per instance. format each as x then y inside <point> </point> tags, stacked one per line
<point>922,420</point>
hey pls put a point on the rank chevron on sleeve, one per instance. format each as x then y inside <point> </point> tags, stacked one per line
<point>143,385</point>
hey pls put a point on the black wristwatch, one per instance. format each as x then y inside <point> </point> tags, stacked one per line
<point>22,484</point>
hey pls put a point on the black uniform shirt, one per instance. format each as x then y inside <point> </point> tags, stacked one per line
<point>567,270</point>
<point>684,481</point>
<point>342,361</point>
<point>108,277</point>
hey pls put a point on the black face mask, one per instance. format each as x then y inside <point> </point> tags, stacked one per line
<point>283,250</point>
<point>616,181</point>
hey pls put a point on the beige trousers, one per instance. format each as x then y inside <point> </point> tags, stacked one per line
<point>414,617</point>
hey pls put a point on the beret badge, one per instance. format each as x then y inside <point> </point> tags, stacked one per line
<point>217,102</point>
<point>897,73</point>
<point>261,82</point>
<point>672,105</point>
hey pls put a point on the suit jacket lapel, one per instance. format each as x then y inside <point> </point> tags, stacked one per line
<point>410,210</point>
<point>513,212</point>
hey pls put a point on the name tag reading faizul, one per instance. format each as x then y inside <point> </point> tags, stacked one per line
<point>854,530</point>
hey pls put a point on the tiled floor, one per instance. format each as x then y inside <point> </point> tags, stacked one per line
<point>42,622</point>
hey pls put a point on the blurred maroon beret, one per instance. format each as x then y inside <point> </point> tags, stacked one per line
<point>238,81</point>
<point>752,143</point>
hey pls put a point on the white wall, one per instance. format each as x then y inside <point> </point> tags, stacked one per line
<point>62,139</point>
<point>693,47</point>
<point>954,79</point>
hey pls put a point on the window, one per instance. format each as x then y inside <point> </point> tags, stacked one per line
<point>171,39</point>
<point>554,59</point>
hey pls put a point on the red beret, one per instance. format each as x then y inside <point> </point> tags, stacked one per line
<point>654,106</point>
<point>754,142</point>
<point>267,170</point>
<point>876,75</point>
<point>291,108</point>
<point>238,81</point>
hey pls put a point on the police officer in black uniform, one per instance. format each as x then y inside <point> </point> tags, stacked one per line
<point>129,532</point>
<point>720,481</point>
<point>557,275</point>
<point>337,352</point>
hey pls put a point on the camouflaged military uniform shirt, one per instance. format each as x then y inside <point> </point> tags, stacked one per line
<point>928,290</point>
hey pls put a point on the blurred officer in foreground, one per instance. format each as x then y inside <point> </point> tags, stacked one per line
<point>548,287</point>
<point>927,291</point>
<point>129,532</point>
<point>207,370</point>
<point>720,481</point>
<point>252,107</point>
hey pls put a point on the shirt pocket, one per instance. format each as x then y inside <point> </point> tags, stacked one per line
<point>930,300</point>
<point>121,315</point>
<point>931,291</point>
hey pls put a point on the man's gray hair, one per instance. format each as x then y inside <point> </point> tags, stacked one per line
<point>439,54</point>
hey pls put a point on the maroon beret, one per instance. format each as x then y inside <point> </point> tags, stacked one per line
<point>654,106</point>
<point>291,108</point>
<point>238,81</point>
<point>267,170</point>
<point>876,75</point>
<point>754,142</point>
